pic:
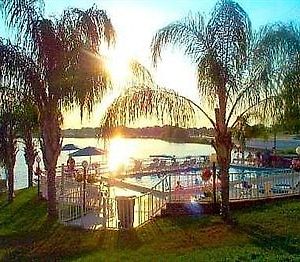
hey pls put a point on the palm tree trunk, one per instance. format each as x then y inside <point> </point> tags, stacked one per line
<point>10,173</point>
<point>243,156</point>
<point>30,175</point>
<point>51,146</point>
<point>30,155</point>
<point>223,146</point>
<point>10,164</point>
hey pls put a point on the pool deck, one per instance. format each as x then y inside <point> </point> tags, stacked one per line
<point>88,221</point>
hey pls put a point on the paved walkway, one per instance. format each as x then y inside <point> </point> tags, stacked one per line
<point>133,187</point>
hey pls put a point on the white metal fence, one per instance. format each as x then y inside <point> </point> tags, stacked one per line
<point>91,205</point>
<point>242,185</point>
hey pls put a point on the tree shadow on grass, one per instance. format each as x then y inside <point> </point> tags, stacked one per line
<point>118,242</point>
<point>270,241</point>
<point>56,242</point>
<point>50,240</point>
<point>23,222</point>
<point>129,239</point>
<point>19,244</point>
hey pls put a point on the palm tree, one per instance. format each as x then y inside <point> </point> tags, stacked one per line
<point>8,144</point>
<point>57,61</point>
<point>236,70</point>
<point>8,136</point>
<point>18,119</point>
<point>27,115</point>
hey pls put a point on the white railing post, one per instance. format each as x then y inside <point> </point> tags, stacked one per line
<point>104,207</point>
<point>62,182</point>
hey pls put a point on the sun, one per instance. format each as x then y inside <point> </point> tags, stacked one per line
<point>118,65</point>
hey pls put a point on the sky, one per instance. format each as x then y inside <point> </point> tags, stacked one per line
<point>136,22</point>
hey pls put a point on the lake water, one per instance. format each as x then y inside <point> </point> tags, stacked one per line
<point>120,150</point>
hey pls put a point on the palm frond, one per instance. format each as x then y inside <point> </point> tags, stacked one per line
<point>268,69</point>
<point>22,15</point>
<point>85,78</point>
<point>290,102</point>
<point>187,34</point>
<point>229,34</point>
<point>65,68</point>
<point>210,77</point>
<point>277,49</point>
<point>84,83</point>
<point>88,28</point>
<point>49,49</point>
<point>144,101</point>
<point>18,72</point>
<point>140,74</point>
<point>222,65</point>
<point>277,39</point>
<point>273,55</point>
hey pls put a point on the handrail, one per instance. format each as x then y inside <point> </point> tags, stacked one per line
<point>159,182</point>
<point>152,202</point>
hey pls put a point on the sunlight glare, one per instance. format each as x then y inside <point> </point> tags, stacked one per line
<point>118,65</point>
<point>119,154</point>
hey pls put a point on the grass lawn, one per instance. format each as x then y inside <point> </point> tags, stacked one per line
<point>269,233</point>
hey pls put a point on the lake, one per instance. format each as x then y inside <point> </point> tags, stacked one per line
<point>119,150</point>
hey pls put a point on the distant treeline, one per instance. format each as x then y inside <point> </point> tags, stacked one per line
<point>169,133</point>
<point>85,132</point>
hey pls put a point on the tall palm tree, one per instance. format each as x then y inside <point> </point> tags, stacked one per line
<point>8,135</point>
<point>236,72</point>
<point>18,120</point>
<point>8,147</point>
<point>57,61</point>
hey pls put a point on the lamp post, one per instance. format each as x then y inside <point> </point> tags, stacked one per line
<point>38,172</point>
<point>84,165</point>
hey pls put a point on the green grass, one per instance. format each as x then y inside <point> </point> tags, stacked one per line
<point>269,233</point>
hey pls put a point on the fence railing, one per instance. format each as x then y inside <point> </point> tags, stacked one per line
<point>242,185</point>
<point>93,206</point>
<point>93,174</point>
<point>251,185</point>
<point>83,205</point>
<point>77,201</point>
<point>151,203</point>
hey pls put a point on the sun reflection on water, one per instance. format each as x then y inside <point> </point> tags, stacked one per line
<point>119,153</point>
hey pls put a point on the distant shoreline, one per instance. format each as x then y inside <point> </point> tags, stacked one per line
<point>191,140</point>
<point>284,146</point>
